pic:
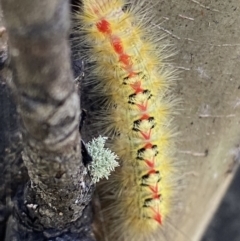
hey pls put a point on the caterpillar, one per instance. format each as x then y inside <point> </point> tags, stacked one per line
<point>131,87</point>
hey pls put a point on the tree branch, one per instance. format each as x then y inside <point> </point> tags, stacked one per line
<point>49,107</point>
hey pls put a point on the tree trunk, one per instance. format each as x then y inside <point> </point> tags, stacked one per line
<point>48,104</point>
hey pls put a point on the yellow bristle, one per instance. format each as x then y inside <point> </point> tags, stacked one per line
<point>134,83</point>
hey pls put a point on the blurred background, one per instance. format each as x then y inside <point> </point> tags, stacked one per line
<point>225,225</point>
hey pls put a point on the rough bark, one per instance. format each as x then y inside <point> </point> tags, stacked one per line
<point>49,107</point>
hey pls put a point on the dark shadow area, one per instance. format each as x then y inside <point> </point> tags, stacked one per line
<point>225,225</point>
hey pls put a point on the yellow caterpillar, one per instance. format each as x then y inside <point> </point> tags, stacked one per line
<point>130,75</point>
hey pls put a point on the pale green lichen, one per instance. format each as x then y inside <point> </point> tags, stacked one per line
<point>104,160</point>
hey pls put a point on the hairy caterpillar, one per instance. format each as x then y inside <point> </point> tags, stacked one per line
<point>131,83</point>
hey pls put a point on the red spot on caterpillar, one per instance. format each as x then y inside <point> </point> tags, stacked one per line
<point>104,26</point>
<point>143,108</point>
<point>146,136</point>
<point>145,117</point>
<point>126,60</point>
<point>117,45</point>
<point>157,217</point>
<point>156,196</point>
<point>148,146</point>
<point>150,163</point>
<point>131,74</point>
<point>137,87</point>
<point>154,189</point>
<point>152,172</point>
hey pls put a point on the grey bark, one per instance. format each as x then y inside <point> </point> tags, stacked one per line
<point>49,108</point>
